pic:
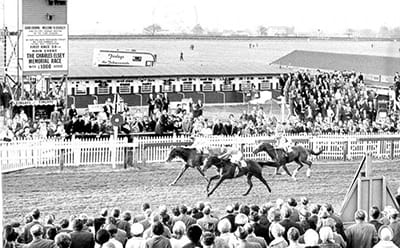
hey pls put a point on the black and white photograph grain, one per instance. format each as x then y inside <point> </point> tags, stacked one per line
<point>200,124</point>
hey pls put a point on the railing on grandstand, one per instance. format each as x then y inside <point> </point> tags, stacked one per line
<point>22,154</point>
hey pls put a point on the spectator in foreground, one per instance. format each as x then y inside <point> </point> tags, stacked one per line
<point>395,225</point>
<point>102,237</point>
<point>26,236</point>
<point>326,236</point>
<point>241,234</point>
<point>362,233</point>
<point>9,237</point>
<point>398,196</point>
<point>336,237</point>
<point>375,214</point>
<point>311,239</point>
<point>251,237</point>
<point>63,240</point>
<point>194,234</point>
<point>136,240</point>
<point>293,235</point>
<point>157,240</point>
<point>208,223</point>
<point>80,238</point>
<point>277,231</point>
<point>37,238</point>
<point>113,230</point>
<point>386,236</point>
<point>224,228</point>
<point>179,238</point>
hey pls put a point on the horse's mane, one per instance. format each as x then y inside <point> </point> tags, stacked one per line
<point>182,152</point>
<point>181,148</point>
<point>218,162</point>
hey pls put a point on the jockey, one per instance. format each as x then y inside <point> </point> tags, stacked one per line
<point>285,144</point>
<point>199,143</point>
<point>234,155</point>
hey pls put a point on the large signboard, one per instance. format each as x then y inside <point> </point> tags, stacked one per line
<point>45,49</point>
<point>102,57</point>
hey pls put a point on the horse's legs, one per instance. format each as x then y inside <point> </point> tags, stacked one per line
<point>297,169</point>
<point>202,173</point>
<point>211,179</point>
<point>287,170</point>
<point>309,163</point>
<point>250,183</point>
<point>262,179</point>
<point>184,168</point>
<point>221,179</point>
<point>277,170</point>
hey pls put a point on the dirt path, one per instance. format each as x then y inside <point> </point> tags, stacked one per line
<point>88,189</point>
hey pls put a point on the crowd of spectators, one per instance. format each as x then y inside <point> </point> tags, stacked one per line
<point>276,224</point>
<point>336,102</point>
<point>318,103</point>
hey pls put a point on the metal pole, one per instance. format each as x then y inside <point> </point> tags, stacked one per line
<point>66,98</point>
<point>283,101</point>
<point>18,35</point>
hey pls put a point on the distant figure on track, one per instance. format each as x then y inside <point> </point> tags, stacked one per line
<point>181,57</point>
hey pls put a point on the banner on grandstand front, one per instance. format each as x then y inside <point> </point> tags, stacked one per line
<point>45,49</point>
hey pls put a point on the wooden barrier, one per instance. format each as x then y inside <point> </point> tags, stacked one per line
<point>366,190</point>
<point>22,154</point>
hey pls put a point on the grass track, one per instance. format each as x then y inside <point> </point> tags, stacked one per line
<point>88,189</point>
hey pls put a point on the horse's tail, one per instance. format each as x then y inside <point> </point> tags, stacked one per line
<point>315,153</point>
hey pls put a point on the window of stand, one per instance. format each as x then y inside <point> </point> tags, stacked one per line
<point>124,88</point>
<point>103,90</point>
<point>147,88</point>
<point>187,87</point>
<point>265,85</point>
<point>80,89</point>
<point>227,86</point>
<point>167,86</point>
<point>208,86</point>
<point>246,86</point>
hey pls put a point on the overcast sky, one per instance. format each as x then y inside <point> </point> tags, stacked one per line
<point>116,16</point>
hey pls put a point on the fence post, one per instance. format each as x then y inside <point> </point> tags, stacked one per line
<point>135,150</point>
<point>62,159</point>
<point>345,149</point>
<point>77,151</point>
<point>128,148</point>
<point>392,149</point>
<point>144,152</point>
<point>114,148</point>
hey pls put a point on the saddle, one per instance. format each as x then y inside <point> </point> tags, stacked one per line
<point>241,164</point>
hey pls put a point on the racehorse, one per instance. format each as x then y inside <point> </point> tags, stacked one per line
<point>299,154</point>
<point>227,170</point>
<point>192,158</point>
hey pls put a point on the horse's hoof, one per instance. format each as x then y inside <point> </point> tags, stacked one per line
<point>295,179</point>
<point>171,184</point>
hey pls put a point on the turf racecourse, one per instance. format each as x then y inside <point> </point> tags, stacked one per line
<point>88,189</point>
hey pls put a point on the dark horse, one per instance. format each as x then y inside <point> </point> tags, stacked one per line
<point>192,158</point>
<point>227,170</point>
<point>299,154</point>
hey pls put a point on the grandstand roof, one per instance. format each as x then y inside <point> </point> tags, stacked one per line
<point>164,70</point>
<point>368,64</point>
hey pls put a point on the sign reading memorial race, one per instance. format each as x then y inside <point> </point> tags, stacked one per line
<point>45,48</point>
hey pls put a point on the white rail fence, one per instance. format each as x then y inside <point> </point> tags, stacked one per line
<point>22,154</point>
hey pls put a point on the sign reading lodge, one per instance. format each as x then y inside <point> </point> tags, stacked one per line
<point>45,48</point>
